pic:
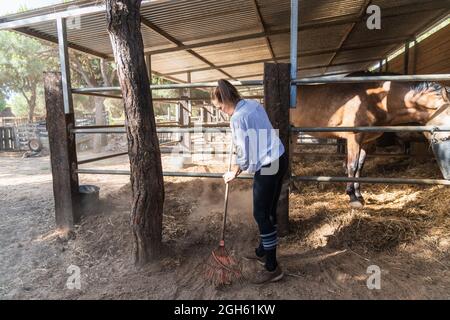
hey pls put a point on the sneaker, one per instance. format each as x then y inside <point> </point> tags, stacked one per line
<point>265,276</point>
<point>251,256</point>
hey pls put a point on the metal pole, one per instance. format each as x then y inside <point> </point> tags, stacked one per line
<point>294,50</point>
<point>372,180</point>
<point>165,174</point>
<point>102,157</point>
<point>341,155</point>
<point>178,152</point>
<point>211,129</point>
<point>299,178</point>
<point>65,66</point>
<point>244,83</point>
<point>79,130</point>
<point>372,129</point>
<point>424,77</point>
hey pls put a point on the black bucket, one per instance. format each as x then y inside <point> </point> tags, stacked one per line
<point>89,200</point>
<point>442,152</point>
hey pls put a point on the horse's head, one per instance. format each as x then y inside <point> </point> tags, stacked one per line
<point>436,100</point>
<point>439,117</point>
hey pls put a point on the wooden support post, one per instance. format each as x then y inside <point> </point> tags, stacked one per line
<point>414,64</point>
<point>380,66</point>
<point>204,114</point>
<point>406,59</point>
<point>148,64</point>
<point>63,155</point>
<point>277,104</point>
<point>178,119</point>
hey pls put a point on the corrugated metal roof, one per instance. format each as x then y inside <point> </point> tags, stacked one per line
<point>227,35</point>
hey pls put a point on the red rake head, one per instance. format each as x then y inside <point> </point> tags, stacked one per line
<point>222,268</point>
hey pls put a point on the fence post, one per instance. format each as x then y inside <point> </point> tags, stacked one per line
<point>63,154</point>
<point>277,104</point>
<point>406,59</point>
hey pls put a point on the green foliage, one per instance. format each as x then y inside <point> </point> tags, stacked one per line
<point>22,63</point>
<point>24,59</point>
<point>2,103</point>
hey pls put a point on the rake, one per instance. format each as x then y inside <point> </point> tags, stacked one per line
<point>221,267</point>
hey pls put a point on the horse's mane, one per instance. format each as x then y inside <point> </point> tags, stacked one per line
<point>429,86</point>
<point>417,86</point>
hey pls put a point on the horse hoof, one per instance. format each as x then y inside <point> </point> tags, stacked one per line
<point>356,204</point>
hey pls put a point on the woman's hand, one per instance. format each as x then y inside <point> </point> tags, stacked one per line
<point>229,176</point>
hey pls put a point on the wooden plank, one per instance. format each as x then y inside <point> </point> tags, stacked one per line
<point>276,103</point>
<point>1,138</point>
<point>431,55</point>
<point>7,139</point>
<point>63,155</point>
<point>14,139</point>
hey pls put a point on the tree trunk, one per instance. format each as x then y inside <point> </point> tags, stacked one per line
<point>99,139</point>
<point>32,103</point>
<point>145,159</point>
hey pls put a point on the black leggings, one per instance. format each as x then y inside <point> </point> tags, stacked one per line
<point>266,192</point>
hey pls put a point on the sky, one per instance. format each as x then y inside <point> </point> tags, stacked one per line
<point>8,6</point>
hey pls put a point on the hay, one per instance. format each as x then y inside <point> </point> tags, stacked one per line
<point>394,215</point>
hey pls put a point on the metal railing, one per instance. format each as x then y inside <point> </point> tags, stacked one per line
<point>403,78</point>
<point>121,129</point>
<point>298,178</point>
<point>373,180</point>
<point>165,173</point>
<point>373,129</point>
<point>171,86</point>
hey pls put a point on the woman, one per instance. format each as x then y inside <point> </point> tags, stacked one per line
<point>259,151</point>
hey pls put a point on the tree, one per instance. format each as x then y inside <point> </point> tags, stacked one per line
<point>94,73</point>
<point>22,66</point>
<point>123,17</point>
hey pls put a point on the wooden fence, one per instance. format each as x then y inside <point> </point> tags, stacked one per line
<point>7,139</point>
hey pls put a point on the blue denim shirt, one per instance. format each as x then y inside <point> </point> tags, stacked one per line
<point>257,143</point>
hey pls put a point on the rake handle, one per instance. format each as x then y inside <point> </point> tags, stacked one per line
<point>225,206</point>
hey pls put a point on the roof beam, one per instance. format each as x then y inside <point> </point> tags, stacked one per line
<point>361,15</point>
<point>363,45</point>
<point>178,43</point>
<point>264,29</point>
<point>54,40</point>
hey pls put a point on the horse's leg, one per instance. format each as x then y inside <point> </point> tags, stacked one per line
<point>362,159</point>
<point>353,151</point>
<point>344,166</point>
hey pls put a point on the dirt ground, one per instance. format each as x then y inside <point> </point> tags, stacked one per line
<point>404,230</point>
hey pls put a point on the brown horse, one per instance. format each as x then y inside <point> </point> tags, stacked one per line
<point>372,104</point>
